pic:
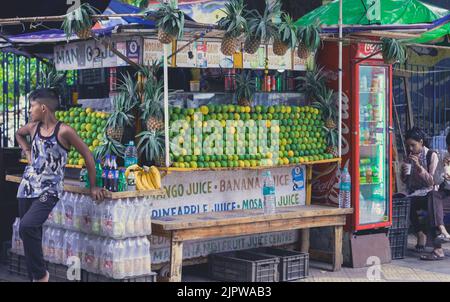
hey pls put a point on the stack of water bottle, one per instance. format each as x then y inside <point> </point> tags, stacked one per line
<point>117,259</point>
<point>117,219</point>
<point>109,238</point>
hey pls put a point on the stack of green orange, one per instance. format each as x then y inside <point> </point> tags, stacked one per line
<point>300,133</point>
<point>89,125</point>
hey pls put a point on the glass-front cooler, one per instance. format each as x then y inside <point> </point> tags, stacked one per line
<point>373,145</point>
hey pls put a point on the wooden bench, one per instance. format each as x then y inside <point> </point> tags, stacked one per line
<point>248,222</point>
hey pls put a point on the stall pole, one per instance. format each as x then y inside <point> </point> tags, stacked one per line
<point>340,82</point>
<point>166,106</point>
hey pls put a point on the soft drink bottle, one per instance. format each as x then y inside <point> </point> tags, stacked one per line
<point>345,189</point>
<point>122,181</point>
<point>115,186</point>
<point>269,193</point>
<point>98,174</point>
<point>105,172</point>
<point>130,157</point>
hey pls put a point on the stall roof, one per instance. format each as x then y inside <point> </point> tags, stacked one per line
<point>104,27</point>
<point>394,15</point>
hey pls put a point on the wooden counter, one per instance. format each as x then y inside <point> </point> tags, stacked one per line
<point>73,186</point>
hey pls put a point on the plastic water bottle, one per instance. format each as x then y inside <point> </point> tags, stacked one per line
<point>345,189</point>
<point>269,193</point>
<point>130,155</point>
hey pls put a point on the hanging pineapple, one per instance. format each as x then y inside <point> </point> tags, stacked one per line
<point>245,89</point>
<point>327,105</point>
<point>332,141</point>
<point>152,107</point>
<point>309,40</point>
<point>286,35</point>
<point>170,22</point>
<point>234,24</point>
<point>151,145</point>
<point>120,117</point>
<point>80,22</point>
<point>393,51</point>
<point>260,29</point>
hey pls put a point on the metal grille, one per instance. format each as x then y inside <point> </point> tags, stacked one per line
<point>430,99</point>
<point>19,75</point>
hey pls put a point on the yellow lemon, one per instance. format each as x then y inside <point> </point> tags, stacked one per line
<point>291,153</point>
<point>302,160</point>
<point>248,109</point>
<point>89,110</point>
<point>81,162</point>
<point>285,161</point>
<point>95,143</point>
<point>288,109</point>
<point>268,124</point>
<point>204,110</point>
<point>269,155</point>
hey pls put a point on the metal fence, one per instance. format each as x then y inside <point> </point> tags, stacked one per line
<point>429,93</point>
<point>19,75</point>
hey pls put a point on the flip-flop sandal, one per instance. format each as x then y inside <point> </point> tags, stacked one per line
<point>443,238</point>
<point>432,257</point>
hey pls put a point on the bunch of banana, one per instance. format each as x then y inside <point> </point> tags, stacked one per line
<point>147,178</point>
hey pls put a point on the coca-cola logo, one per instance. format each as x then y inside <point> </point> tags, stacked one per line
<point>365,50</point>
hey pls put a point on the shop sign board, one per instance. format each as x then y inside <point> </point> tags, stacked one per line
<point>93,54</point>
<point>211,191</point>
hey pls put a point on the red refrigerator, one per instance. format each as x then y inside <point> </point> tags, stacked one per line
<point>367,134</point>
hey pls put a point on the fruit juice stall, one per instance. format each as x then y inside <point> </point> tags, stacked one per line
<point>209,112</point>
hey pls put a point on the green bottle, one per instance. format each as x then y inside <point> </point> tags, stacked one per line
<point>98,174</point>
<point>122,181</point>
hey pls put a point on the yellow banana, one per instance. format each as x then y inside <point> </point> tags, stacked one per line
<point>156,177</point>
<point>132,168</point>
<point>139,185</point>
<point>148,178</point>
<point>147,185</point>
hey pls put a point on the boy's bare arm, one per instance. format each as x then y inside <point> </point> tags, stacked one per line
<point>70,136</point>
<point>21,137</point>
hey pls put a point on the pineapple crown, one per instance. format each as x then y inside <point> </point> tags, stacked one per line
<point>233,22</point>
<point>245,86</point>
<point>393,50</point>
<point>170,18</point>
<point>331,136</point>
<point>120,117</point>
<point>263,27</point>
<point>79,20</point>
<point>311,82</point>
<point>51,78</point>
<point>109,146</point>
<point>287,31</point>
<point>325,102</point>
<point>151,144</point>
<point>153,95</point>
<point>129,88</point>
<point>309,36</point>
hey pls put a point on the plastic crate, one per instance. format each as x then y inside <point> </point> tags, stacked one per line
<point>293,265</point>
<point>400,212</point>
<point>398,240</point>
<point>90,277</point>
<point>17,265</point>
<point>241,266</point>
